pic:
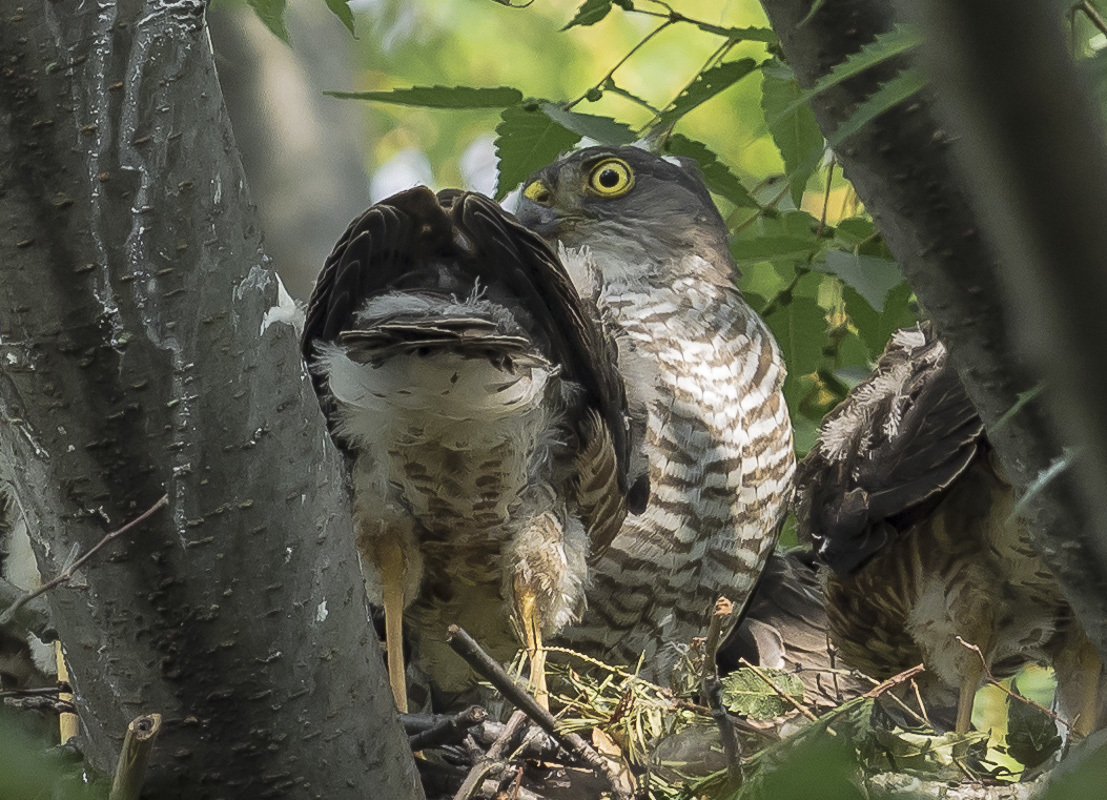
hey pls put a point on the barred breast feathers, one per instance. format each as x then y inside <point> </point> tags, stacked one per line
<point>721,463</point>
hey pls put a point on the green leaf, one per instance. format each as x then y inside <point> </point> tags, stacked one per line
<point>601,129</point>
<point>716,174</point>
<point>792,125</point>
<point>854,230</point>
<point>705,86</point>
<point>904,85</point>
<point>814,9</point>
<point>1031,735</point>
<point>800,328</point>
<point>271,13</point>
<point>341,9</point>
<point>591,12</point>
<point>610,86</point>
<point>746,693</point>
<point>876,327</point>
<point>934,757</point>
<point>895,42</point>
<point>750,34</point>
<point>1022,399</point>
<point>441,96</point>
<point>872,277</point>
<point>526,140</point>
<point>901,38</point>
<point>773,248</point>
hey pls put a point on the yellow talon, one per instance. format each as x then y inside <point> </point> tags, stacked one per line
<point>391,561</point>
<point>526,607</point>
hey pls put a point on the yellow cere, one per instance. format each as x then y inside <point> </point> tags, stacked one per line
<point>537,191</point>
<point>612,177</point>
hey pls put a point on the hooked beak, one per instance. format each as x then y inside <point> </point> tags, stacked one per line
<point>540,219</point>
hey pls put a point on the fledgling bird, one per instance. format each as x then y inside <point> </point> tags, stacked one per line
<point>785,627</point>
<point>479,396</point>
<point>906,504</point>
<point>718,439</point>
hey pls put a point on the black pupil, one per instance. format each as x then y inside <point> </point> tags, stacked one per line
<point>609,178</point>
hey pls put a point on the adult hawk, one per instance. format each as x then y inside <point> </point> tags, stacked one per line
<point>907,506</point>
<point>481,401</point>
<point>718,440</point>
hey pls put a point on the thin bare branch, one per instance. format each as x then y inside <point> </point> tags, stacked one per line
<point>137,747</point>
<point>895,681</point>
<point>488,668</point>
<point>713,689</point>
<point>989,678</point>
<point>67,574</point>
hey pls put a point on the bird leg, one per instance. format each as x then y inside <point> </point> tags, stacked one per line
<point>526,608</point>
<point>390,558</point>
<point>1079,683</point>
<point>969,684</point>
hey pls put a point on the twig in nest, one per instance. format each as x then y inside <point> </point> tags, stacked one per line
<point>137,747</point>
<point>713,689</point>
<point>484,665</point>
<point>476,775</point>
<point>989,678</point>
<point>41,703</point>
<point>780,692</point>
<point>919,700</point>
<point>894,681</point>
<point>65,575</point>
<point>450,729</point>
<point>44,690</point>
<point>880,688</point>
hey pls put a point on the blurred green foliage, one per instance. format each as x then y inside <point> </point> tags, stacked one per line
<point>701,81</point>
<point>28,772</point>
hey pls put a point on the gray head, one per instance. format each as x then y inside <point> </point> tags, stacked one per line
<point>630,207</point>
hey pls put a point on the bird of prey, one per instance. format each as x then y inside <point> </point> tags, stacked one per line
<point>718,440</point>
<point>785,627</point>
<point>481,402</point>
<point>906,504</point>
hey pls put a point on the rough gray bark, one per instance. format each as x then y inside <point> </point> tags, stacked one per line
<point>143,351</point>
<point>902,166</point>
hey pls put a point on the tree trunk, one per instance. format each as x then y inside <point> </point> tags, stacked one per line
<point>902,165</point>
<point>145,350</point>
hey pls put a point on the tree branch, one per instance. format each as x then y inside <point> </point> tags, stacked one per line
<point>67,574</point>
<point>903,168</point>
<point>147,349</point>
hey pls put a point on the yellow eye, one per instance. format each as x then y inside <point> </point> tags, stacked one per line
<point>612,177</point>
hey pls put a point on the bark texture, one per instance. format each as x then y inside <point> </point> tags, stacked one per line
<point>145,349</point>
<point>904,168</point>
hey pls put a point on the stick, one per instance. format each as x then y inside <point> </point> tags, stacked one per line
<point>44,690</point>
<point>68,727</point>
<point>41,703</point>
<point>465,646</point>
<point>31,616</point>
<point>894,681</point>
<point>451,729</point>
<point>476,775</point>
<point>67,573</point>
<point>989,678</point>
<point>137,747</point>
<point>783,694</point>
<point>713,690</point>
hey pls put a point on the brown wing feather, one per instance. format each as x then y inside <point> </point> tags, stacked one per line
<point>401,242</point>
<point>886,452</point>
